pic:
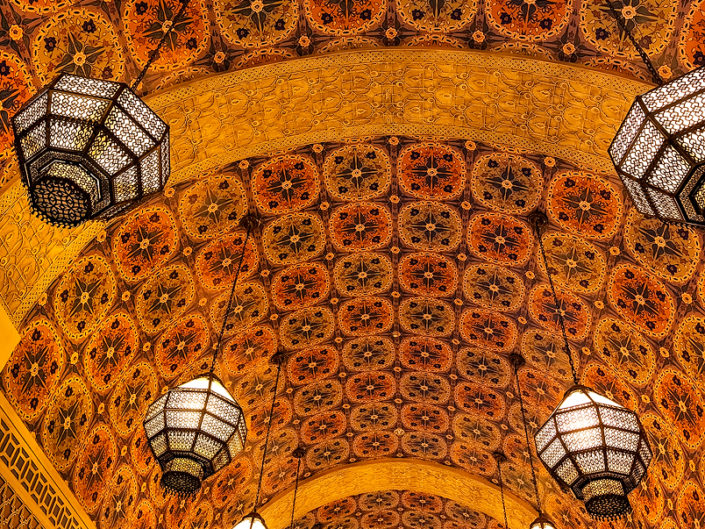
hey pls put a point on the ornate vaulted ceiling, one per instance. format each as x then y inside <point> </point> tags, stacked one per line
<point>397,271</point>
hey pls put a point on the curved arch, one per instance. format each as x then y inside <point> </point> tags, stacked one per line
<point>397,474</point>
<point>561,110</point>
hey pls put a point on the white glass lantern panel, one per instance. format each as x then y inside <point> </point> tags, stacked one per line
<point>125,185</point>
<point>576,398</point>
<point>545,435</point>
<point>627,132</point>
<point>679,88</point>
<point>136,108</point>
<point>200,383</point>
<point>665,205</point>
<point>32,113</point>
<point>577,418</point>
<point>153,426</point>
<point>216,427</point>
<point>187,400</point>
<point>166,164</point>
<point>567,472</point>
<point>235,445</point>
<point>150,172</point>
<point>583,440</point>
<point>251,522</point>
<point>87,86</point>
<point>591,462</point>
<point>220,390</point>
<point>645,452</point>
<point>553,454</point>
<point>70,135</point>
<point>670,170</point>
<point>620,462</point>
<point>207,447</point>
<point>638,196</point>
<point>157,406</point>
<point>643,151</point>
<point>128,132</point>
<point>694,143</point>
<point>638,472</point>
<point>77,106</point>
<point>181,441</point>
<point>226,410</point>
<point>619,418</point>
<point>684,115</point>
<point>221,459</point>
<point>158,444</point>
<point>183,419</point>
<point>35,140</point>
<point>108,154</point>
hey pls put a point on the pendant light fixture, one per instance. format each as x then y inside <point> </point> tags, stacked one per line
<point>197,428</point>
<point>542,521</point>
<point>254,520</point>
<point>591,444</point>
<point>89,148</point>
<point>501,458</point>
<point>659,150</point>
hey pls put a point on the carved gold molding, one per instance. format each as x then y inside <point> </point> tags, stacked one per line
<point>34,483</point>
<point>560,110</point>
<point>397,474</point>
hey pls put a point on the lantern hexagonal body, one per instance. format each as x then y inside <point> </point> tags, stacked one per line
<point>597,448</point>
<point>194,430</point>
<point>89,148</point>
<point>659,150</point>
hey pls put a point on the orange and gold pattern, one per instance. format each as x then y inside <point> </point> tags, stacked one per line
<point>396,301</point>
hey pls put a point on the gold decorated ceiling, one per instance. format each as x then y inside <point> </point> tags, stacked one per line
<point>398,273</point>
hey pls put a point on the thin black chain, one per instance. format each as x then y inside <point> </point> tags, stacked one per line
<point>155,52</point>
<point>231,298</point>
<point>266,439</point>
<point>644,57</point>
<point>558,307</point>
<point>296,489</point>
<point>528,443</point>
<point>501,491</point>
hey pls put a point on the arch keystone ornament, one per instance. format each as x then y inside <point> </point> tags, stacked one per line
<point>591,444</point>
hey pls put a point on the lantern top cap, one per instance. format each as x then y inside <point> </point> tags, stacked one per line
<point>206,381</point>
<point>579,395</point>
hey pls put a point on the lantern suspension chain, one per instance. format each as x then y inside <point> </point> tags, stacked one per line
<point>269,429</point>
<point>540,220</point>
<point>155,52</point>
<point>526,433</point>
<point>644,57</point>
<point>250,223</point>
<point>298,453</point>
<point>501,457</point>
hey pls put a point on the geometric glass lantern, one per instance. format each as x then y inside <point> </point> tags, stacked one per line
<point>194,430</point>
<point>251,521</point>
<point>597,448</point>
<point>659,150</point>
<point>89,148</point>
<point>542,522</point>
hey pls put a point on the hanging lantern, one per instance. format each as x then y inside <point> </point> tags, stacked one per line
<point>542,522</point>
<point>597,448</point>
<point>89,148</point>
<point>194,430</point>
<point>251,521</point>
<point>659,150</point>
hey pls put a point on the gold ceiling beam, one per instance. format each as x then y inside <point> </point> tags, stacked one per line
<point>414,475</point>
<point>557,109</point>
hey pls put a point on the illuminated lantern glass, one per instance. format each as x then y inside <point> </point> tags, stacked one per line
<point>659,150</point>
<point>251,521</point>
<point>194,430</point>
<point>597,448</point>
<point>542,522</point>
<point>89,148</point>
